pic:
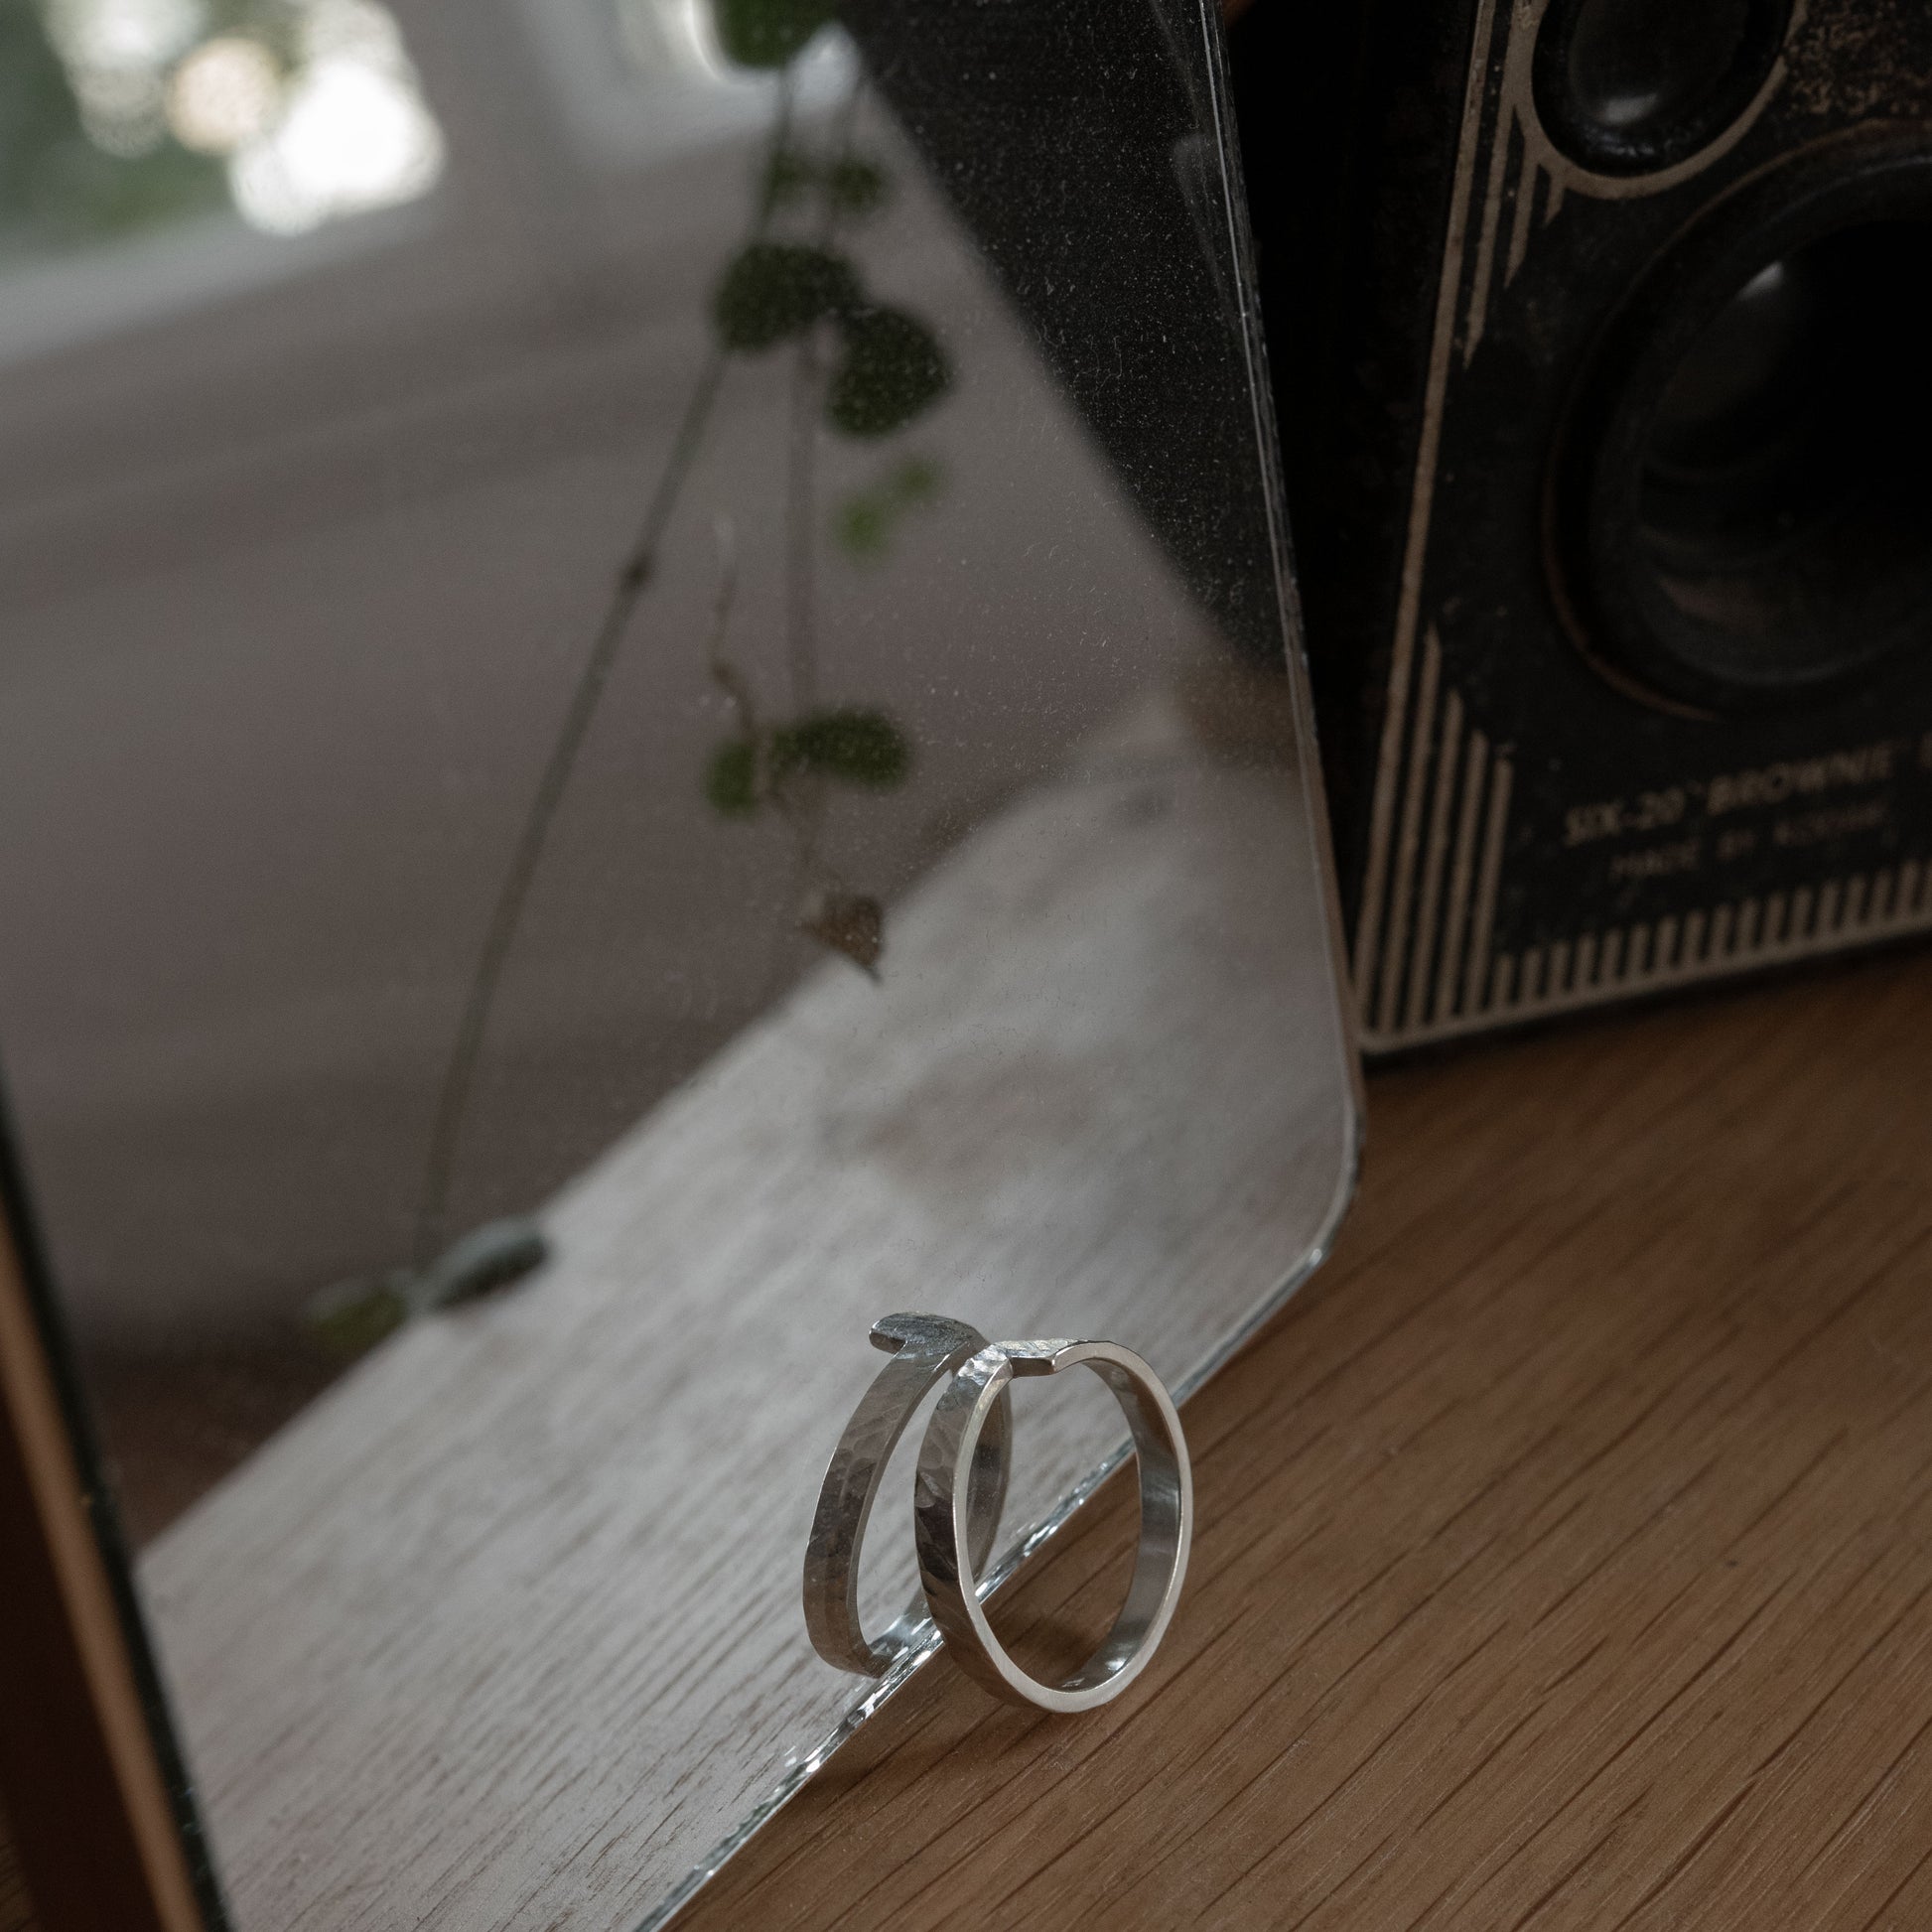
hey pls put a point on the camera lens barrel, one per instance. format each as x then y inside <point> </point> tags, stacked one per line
<point>1633,86</point>
<point>1740,502</point>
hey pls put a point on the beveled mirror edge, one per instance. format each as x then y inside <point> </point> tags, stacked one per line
<point>1317,818</point>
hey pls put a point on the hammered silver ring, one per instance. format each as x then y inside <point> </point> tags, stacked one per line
<point>924,1348</point>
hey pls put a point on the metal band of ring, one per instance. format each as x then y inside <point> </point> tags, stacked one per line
<point>941,1514</point>
<point>924,1348</point>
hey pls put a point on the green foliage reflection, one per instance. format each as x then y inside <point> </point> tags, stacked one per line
<point>60,188</point>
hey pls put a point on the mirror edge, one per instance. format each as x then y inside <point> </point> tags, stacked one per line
<point>95,1790</point>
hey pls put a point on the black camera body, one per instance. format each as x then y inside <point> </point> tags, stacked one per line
<point>1601,338</point>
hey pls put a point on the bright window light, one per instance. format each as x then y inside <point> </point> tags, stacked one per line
<point>225,95</point>
<point>313,105</point>
<point>353,132</point>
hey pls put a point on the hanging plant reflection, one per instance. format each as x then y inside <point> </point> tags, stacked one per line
<point>861,369</point>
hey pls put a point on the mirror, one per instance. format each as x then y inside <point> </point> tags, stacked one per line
<point>649,708</point>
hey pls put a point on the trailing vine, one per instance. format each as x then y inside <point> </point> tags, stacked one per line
<point>863,369</point>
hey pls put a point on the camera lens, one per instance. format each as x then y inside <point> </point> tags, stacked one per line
<point>1743,506</point>
<point>1630,87</point>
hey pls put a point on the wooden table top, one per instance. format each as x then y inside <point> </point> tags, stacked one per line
<point>1563,1556</point>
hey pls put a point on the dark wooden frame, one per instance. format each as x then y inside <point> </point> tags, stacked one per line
<point>93,1785</point>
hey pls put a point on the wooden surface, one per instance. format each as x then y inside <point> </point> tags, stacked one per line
<point>504,1630</point>
<point>1566,1548</point>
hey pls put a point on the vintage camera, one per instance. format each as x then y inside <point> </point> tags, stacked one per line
<point>1601,339</point>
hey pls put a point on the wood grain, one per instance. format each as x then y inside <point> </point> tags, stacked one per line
<point>1564,1553</point>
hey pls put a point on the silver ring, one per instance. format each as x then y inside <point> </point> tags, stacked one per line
<point>924,1348</point>
<point>941,1519</point>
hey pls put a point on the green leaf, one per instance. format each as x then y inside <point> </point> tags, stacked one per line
<point>857,185</point>
<point>766,32</point>
<point>484,1261</point>
<point>731,780</point>
<point>863,523</point>
<point>854,185</point>
<point>350,1320</point>
<point>775,289</point>
<point>789,176</point>
<point>892,369</point>
<point>916,481</point>
<point>856,746</point>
